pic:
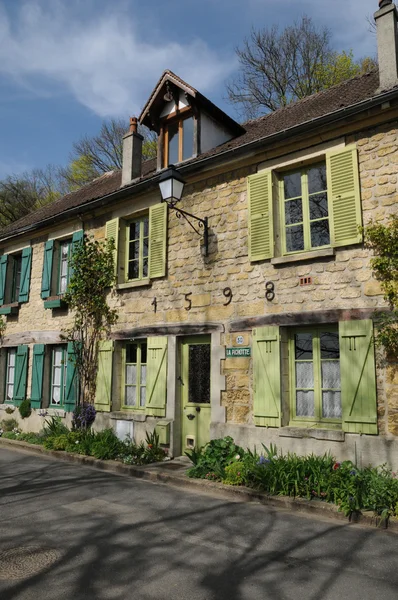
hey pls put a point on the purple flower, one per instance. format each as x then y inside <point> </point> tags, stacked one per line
<point>263,460</point>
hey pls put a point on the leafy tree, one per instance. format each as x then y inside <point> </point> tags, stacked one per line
<point>92,277</point>
<point>279,67</point>
<point>92,156</point>
<point>383,240</point>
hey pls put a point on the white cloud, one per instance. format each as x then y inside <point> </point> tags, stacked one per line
<point>101,60</point>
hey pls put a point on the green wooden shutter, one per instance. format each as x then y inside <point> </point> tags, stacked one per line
<point>26,264</point>
<point>266,377</point>
<point>261,230</point>
<point>21,371</point>
<point>47,269</point>
<point>358,376</point>
<point>77,238</point>
<point>36,392</point>
<point>103,393</point>
<point>344,196</point>
<point>72,382</point>
<point>157,240</point>
<point>112,231</point>
<point>156,378</point>
<point>3,277</point>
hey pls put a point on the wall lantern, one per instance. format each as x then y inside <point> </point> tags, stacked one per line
<point>171,186</point>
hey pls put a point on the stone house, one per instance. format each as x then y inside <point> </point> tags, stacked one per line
<point>265,335</point>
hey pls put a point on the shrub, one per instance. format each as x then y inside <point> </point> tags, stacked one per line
<point>235,473</point>
<point>214,457</point>
<point>10,410</point>
<point>54,427</point>
<point>25,409</point>
<point>106,445</point>
<point>83,416</point>
<point>9,424</point>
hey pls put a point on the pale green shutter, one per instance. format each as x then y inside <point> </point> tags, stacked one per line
<point>21,372</point>
<point>3,277</point>
<point>266,377</point>
<point>157,240</point>
<point>36,392</point>
<point>26,264</point>
<point>261,231</point>
<point>103,392</point>
<point>47,269</point>
<point>72,382</point>
<point>112,232</point>
<point>156,378</point>
<point>344,196</point>
<point>358,376</point>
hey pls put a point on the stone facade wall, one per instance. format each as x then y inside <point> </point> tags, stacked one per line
<point>342,281</point>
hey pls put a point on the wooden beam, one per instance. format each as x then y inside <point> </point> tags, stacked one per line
<point>32,337</point>
<point>322,317</point>
<point>179,330</point>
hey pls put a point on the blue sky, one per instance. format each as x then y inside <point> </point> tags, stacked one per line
<point>65,65</point>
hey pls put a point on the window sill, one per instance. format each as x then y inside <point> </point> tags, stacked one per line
<point>133,284</point>
<point>9,309</point>
<point>127,414</point>
<point>55,302</point>
<point>332,435</point>
<point>313,254</point>
<point>55,412</point>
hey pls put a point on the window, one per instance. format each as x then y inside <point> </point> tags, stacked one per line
<point>135,365</point>
<point>137,249</point>
<point>56,269</point>
<point>10,374</point>
<point>59,364</point>
<point>304,209</point>
<point>178,140</point>
<point>315,381</point>
<point>14,280</point>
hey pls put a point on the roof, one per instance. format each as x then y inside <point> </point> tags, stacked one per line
<point>349,93</point>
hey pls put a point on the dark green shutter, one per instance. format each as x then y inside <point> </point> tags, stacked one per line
<point>156,379</point>
<point>103,393</point>
<point>358,377</point>
<point>261,231</point>
<point>157,240</point>
<point>21,372</point>
<point>47,269</point>
<point>77,238</point>
<point>72,382</point>
<point>37,375</point>
<point>26,265</point>
<point>3,277</point>
<point>266,377</point>
<point>344,196</point>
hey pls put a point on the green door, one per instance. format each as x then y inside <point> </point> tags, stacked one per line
<point>194,384</point>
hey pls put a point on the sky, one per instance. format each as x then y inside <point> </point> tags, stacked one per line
<point>66,65</point>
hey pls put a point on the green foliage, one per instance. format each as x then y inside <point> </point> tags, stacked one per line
<point>3,327</point>
<point>25,409</point>
<point>54,427</point>
<point>10,435</point>
<point>31,438</point>
<point>106,446</point>
<point>92,277</point>
<point>9,410</point>
<point>235,473</point>
<point>213,458</point>
<point>383,240</point>
<point>338,68</point>
<point>9,424</point>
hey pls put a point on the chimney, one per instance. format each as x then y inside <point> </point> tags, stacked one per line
<point>387,46</point>
<point>132,153</point>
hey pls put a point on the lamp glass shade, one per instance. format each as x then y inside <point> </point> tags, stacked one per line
<point>171,185</point>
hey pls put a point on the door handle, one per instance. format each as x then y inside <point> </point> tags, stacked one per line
<point>197,409</point>
<point>190,417</point>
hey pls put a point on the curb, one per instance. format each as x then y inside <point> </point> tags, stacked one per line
<point>157,472</point>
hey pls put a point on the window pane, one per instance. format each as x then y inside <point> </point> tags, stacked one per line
<point>305,406</point>
<point>17,278</point>
<point>143,374</point>
<point>143,353</point>
<point>11,358</point>
<point>294,238</point>
<point>10,391</point>
<point>199,373</point>
<point>131,394</point>
<point>303,346</point>
<point>131,353</point>
<point>131,374</point>
<point>320,235</point>
<point>330,374</point>
<point>134,269</point>
<point>145,267</point>
<point>134,250</point>
<point>173,143</point>
<point>317,179</point>
<point>292,185</point>
<point>145,248</point>
<point>304,375</point>
<point>293,211</point>
<point>330,344</point>
<point>134,231</point>
<point>146,227</point>
<point>187,142</point>
<point>331,405</point>
<point>56,395</point>
<point>319,206</point>
<point>142,396</point>
<point>57,375</point>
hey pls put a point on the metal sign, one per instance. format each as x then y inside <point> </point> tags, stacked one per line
<point>238,352</point>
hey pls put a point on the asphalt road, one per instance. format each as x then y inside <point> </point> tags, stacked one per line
<point>71,532</point>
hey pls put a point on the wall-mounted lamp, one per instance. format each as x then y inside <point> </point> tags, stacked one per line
<point>171,186</point>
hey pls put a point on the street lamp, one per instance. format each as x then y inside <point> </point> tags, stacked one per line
<point>171,186</point>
